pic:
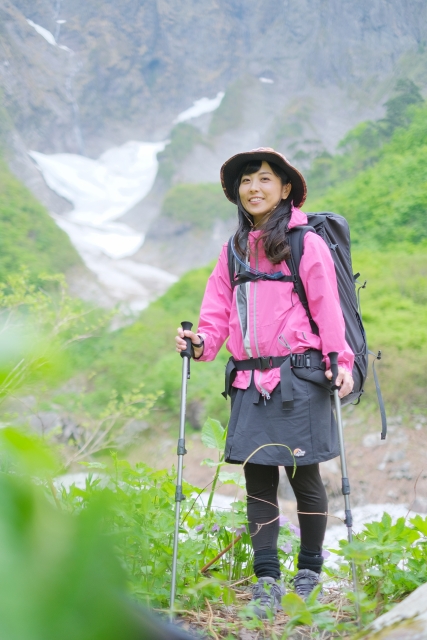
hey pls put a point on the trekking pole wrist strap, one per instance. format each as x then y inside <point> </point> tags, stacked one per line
<point>197,346</point>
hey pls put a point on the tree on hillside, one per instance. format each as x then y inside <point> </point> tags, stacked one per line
<point>407,94</point>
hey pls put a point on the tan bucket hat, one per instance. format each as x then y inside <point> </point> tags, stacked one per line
<point>231,168</point>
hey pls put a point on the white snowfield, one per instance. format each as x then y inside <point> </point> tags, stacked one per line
<point>102,191</point>
<point>200,107</point>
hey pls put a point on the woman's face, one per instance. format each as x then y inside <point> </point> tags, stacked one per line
<point>261,191</point>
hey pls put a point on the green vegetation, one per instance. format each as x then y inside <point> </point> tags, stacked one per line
<point>61,577</point>
<point>386,206</point>
<point>387,203</point>
<point>183,138</point>
<point>145,351</point>
<point>229,114</point>
<point>73,560</point>
<point>28,235</point>
<point>67,555</point>
<point>197,204</point>
<point>391,558</point>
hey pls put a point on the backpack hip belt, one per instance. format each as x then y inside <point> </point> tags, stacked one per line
<point>308,360</point>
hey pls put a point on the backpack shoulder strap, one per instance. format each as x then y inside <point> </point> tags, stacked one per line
<point>296,237</point>
<point>230,261</point>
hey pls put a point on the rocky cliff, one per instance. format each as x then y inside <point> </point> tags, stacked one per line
<point>128,68</point>
<point>82,77</point>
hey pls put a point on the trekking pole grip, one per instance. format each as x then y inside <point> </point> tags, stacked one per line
<point>187,353</point>
<point>333,358</point>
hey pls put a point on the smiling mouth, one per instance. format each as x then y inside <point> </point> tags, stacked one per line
<point>255,200</point>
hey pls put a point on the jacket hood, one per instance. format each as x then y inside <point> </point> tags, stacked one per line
<point>298,218</point>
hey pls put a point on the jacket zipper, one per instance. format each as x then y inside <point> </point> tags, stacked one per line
<point>264,392</point>
<point>284,342</point>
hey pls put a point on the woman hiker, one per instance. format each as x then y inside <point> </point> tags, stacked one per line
<point>276,414</point>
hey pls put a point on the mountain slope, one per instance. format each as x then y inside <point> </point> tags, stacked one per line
<point>387,203</point>
<point>28,235</point>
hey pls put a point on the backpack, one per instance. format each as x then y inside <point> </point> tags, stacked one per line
<point>334,230</point>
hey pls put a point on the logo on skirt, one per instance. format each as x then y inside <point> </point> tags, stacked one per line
<point>299,453</point>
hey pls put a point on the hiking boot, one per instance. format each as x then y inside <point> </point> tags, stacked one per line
<point>266,596</point>
<point>305,581</point>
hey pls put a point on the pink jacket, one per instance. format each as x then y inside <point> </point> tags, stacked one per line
<point>277,321</point>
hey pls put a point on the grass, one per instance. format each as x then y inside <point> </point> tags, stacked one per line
<point>197,204</point>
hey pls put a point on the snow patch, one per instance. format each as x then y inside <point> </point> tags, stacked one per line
<point>204,105</point>
<point>48,36</point>
<point>101,191</point>
<point>104,189</point>
<point>113,239</point>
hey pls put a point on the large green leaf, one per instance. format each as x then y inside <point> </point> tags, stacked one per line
<point>420,523</point>
<point>213,434</point>
<point>231,478</point>
<point>296,609</point>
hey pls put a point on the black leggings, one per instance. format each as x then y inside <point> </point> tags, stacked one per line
<point>262,482</point>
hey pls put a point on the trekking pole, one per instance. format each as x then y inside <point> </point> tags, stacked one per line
<point>179,496</point>
<point>345,486</point>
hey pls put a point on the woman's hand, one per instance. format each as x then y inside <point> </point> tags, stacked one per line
<point>180,344</point>
<point>344,380</point>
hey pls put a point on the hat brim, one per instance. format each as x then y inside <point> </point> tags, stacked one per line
<point>231,168</point>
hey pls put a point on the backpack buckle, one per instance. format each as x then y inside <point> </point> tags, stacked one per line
<point>298,360</point>
<point>265,363</point>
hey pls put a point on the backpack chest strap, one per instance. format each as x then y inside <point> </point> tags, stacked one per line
<point>252,277</point>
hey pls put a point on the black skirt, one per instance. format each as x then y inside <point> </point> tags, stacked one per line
<point>308,430</point>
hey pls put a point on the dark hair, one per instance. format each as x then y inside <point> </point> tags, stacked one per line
<point>274,230</point>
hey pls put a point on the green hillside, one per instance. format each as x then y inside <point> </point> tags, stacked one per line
<point>28,235</point>
<point>197,204</point>
<point>386,204</point>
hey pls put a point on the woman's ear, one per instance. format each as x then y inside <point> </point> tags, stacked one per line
<point>286,190</point>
